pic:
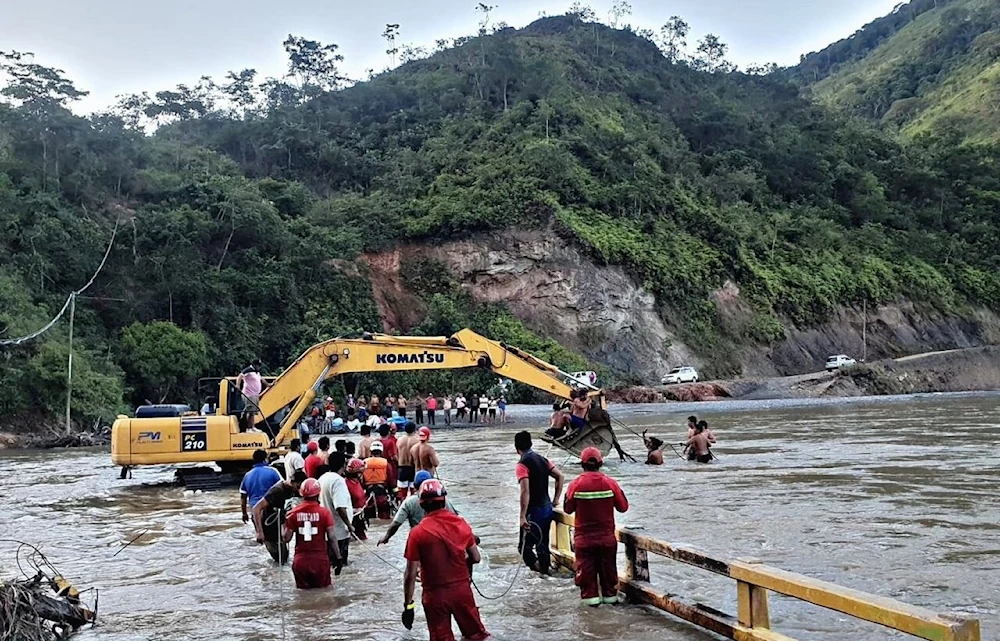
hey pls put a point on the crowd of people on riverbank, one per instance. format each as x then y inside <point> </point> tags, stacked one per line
<point>329,417</point>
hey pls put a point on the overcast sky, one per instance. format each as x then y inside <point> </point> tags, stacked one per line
<point>112,47</point>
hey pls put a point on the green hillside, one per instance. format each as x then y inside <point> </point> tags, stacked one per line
<point>241,219</point>
<point>931,65</point>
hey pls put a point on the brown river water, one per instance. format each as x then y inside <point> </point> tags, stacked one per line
<point>894,496</point>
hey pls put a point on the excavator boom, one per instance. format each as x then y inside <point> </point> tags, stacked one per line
<point>138,441</point>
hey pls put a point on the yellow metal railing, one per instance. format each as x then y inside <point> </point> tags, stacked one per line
<point>753,582</point>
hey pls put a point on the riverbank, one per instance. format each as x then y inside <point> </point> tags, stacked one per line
<point>963,370</point>
<point>38,432</point>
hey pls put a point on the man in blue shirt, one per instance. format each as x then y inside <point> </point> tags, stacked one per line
<point>257,482</point>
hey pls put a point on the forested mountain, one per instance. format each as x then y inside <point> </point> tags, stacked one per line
<point>241,222</point>
<point>929,66</point>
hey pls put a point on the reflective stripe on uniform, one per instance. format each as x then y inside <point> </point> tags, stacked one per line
<point>602,494</point>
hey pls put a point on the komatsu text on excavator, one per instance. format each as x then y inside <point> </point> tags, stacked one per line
<point>221,439</point>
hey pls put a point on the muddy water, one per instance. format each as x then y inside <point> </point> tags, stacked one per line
<point>893,496</point>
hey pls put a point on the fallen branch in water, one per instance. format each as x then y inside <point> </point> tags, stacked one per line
<point>43,607</point>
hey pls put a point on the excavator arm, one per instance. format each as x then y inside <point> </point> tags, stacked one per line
<point>298,385</point>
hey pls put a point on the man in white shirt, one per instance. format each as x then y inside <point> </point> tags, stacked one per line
<point>336,497</point>
<point>294,460</point>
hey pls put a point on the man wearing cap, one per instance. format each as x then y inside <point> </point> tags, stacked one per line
<point>424,455</point>
<point>441,546</point>
<point>594,497</point>
<point>533,472</point>
<point>315,541</point>
<point>410,511</point>
<point>335,496</point>
<point>313,460</point>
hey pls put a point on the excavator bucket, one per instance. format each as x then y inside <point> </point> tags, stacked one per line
<point>597,433</point>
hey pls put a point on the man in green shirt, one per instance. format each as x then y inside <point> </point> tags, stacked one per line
<point>410,511</point>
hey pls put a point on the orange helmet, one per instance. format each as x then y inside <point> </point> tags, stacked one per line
<point>309,489</point>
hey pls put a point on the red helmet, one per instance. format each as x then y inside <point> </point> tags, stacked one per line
<point>309,489</point>
<point>424,433</point>
<point>591,455</point>
<point>355,465</point>
<point>432,490</point>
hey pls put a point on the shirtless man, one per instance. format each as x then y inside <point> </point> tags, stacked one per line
<point>692,424</point>
<point>579,407</point>
<point>700,445</point>
<point>423,455</point>
<point>404,478</point>
<point>364,447</point>
<point>557,421</point>
<point>653,445</point>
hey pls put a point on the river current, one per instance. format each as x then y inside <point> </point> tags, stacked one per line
<point>894,496</point>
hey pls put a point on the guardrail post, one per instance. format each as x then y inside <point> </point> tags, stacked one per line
<point>562,537</point>
<point>638,562</point>
<point>751,606</point>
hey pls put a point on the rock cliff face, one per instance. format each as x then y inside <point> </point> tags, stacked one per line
<point>601,312</point>
<point>555,290</point>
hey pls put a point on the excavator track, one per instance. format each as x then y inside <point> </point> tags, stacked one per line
<point>205,478</point>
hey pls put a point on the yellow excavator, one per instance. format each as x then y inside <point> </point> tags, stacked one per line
<point>165,436</point>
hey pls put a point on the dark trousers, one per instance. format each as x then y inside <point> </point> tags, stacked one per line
<point>420,415</point>
<point>430,417</point>
<point>597,571</point>
<point>534,542</point>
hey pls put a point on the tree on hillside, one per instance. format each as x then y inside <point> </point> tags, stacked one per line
<point>712,55</point>
<point>33,85</point>
<point>618,10</point>
<point>673,38</point>
<point>390,34</point>
<point>241,92</point>
<point>163,359</point>
<point>314,65</point>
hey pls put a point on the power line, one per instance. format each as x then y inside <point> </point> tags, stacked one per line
<point>69,299</point>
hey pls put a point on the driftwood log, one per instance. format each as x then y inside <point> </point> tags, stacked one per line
<point>31,611</point>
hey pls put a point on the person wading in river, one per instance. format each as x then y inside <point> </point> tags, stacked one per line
<point>269,515</point>
<point>410,511</point>
<point>699,446</point>
<point>256,482</point>
<point>533,472</point>
<point>404,476</point>
<point>293,458</point>
<point>335,496</point>
<point>423,454</point>
<point>653,445</point>
<point>441,546</point>
<point>594,497</point>
<point>316,549</point>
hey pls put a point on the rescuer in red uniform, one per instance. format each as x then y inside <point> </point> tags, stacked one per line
<point>594,497</point>
<point>315,541</point>
<point>439,546</point>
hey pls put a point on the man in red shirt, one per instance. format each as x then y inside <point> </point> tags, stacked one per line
<point>315,541</point>
<point>313,460</point>
<point>439,547</point>
<point>390,450</point>
<point>594,497</point>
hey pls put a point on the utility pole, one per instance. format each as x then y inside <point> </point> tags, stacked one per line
<point>864,331</point>
<point>69,368</point>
